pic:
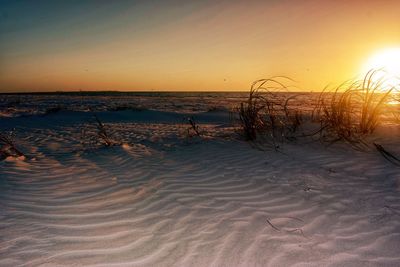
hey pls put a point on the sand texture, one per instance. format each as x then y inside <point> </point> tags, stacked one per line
<point>163,199</point>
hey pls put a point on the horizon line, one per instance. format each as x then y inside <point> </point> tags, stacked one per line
<point>135,91</point>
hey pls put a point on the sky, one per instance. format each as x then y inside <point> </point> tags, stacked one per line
<point>175,45</point>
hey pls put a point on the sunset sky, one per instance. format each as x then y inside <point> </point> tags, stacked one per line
<point>188,45</point>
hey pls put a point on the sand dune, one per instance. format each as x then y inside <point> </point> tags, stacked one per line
<point>180,202</point>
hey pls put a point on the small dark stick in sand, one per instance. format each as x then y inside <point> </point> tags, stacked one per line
<point>194,126</point>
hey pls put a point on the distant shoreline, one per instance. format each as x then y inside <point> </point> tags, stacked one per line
<point>135,92</point>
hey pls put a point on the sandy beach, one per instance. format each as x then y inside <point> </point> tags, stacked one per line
<point>166,198</point>
<point>199,133</point>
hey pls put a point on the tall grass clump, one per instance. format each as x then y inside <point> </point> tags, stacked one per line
<point>352,110</point>
<point>395,103</point>
<point>266,113</point>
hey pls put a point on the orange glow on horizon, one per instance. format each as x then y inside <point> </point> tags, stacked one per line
<point>215,46</point>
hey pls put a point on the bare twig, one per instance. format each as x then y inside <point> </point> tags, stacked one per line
<point>290,230</point>
<point>193,129</point>
<point>387,155</point>
<point>8,147</point>
<point>98,135</point>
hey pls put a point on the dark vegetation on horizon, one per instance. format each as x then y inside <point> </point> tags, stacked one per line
<point>118,93</point>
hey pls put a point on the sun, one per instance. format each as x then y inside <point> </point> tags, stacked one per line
<point>387,65</point>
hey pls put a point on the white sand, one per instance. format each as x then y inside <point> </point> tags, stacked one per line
<point>166,201</point>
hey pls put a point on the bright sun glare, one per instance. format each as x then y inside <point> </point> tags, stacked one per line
<point>387,62</point>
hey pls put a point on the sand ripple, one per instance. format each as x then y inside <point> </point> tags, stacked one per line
<point>214,203</point>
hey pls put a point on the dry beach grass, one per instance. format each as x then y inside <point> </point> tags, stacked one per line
<point>351,112</point>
